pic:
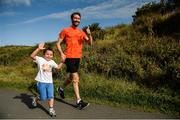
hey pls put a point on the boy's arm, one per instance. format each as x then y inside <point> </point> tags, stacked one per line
<point>35,52</point>
<point>58,45</point>
<point>60,65</point>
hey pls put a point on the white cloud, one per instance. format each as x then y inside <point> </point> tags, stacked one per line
<point>16,2</point>
<point>109,10</point>
<point>106,10</point>
<point>8,14</point>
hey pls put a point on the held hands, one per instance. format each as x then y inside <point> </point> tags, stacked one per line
<point>41,46</point>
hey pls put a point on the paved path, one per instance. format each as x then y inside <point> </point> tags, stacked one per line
<point>17,105</point>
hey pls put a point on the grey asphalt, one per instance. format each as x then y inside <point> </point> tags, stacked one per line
<point>17,105</point>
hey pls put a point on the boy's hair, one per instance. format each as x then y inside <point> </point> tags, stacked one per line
<point>75,13</point>
<point>45,50</point>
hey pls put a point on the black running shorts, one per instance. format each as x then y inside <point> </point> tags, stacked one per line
<point>72,64</point>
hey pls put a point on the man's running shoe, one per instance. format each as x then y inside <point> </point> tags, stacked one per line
<point>60,92</point>
<point>81,105</point>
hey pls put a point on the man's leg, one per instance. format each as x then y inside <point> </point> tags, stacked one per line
<point>61,89</point>
<point>80,103</point>
<point>75,79</point>
<point>67,82</point>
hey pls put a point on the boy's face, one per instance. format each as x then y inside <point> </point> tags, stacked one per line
<point>48,55</point>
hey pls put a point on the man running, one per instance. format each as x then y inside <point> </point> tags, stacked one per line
<point>73,38</point>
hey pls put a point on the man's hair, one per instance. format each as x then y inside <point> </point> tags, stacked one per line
<point>45,50</point>
<point>75,13</point>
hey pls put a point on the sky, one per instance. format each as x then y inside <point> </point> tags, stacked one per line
<point>29,22</point>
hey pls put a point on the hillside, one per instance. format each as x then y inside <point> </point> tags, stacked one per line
<point>135,66</point>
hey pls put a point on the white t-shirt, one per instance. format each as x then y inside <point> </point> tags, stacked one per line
<point>44,69</point>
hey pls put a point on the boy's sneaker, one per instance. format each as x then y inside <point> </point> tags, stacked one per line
<point>60,92</point>
<point>52,112</point>
<point>34,103</point>
<point>81,105</point>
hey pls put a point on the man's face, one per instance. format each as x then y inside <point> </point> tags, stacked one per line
<point>76,20</point>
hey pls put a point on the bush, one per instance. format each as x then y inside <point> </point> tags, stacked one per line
<point>11,55</point>
<point>134,56</point>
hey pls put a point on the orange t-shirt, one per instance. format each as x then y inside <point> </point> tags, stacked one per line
<point>73,38</point>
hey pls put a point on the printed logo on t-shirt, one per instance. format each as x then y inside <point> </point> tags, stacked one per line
<point>46,68</point>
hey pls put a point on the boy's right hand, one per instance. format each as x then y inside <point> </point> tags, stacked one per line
<point>41,46</point>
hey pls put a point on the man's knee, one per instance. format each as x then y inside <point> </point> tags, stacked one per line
<point>75,78</point>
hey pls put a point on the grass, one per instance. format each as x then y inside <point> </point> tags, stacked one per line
<point>115,92</point>
<point>124,93</point>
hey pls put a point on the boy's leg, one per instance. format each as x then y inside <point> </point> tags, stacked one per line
<point>50,96</point>
<point>51,103</point>
<point>51,108</point>
<point>35,101</point>
<point>42,94</point>
<point>42,91</point>
<point>35,98</point>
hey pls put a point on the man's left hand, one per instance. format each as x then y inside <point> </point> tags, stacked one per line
<point>88,31</point>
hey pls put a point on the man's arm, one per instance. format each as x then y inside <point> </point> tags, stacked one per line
<point>90,41</point>
<point>35,52</point>
<point>88,37</point>
<point>58,45</point>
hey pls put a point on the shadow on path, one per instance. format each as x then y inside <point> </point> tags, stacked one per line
<point>65,102</point>
<point>27,100</point>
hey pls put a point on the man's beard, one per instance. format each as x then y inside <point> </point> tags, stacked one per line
<point>75,23</point>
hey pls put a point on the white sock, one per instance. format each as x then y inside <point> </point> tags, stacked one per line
<point>51,108</point>
<point>78,100</point>
<point>61,88</point>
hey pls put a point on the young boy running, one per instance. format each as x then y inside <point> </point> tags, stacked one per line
<point>44,76</point>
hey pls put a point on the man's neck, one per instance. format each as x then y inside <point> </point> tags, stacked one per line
<point>73,26</point>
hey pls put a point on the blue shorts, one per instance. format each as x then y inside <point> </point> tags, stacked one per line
<point>46,90</point>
